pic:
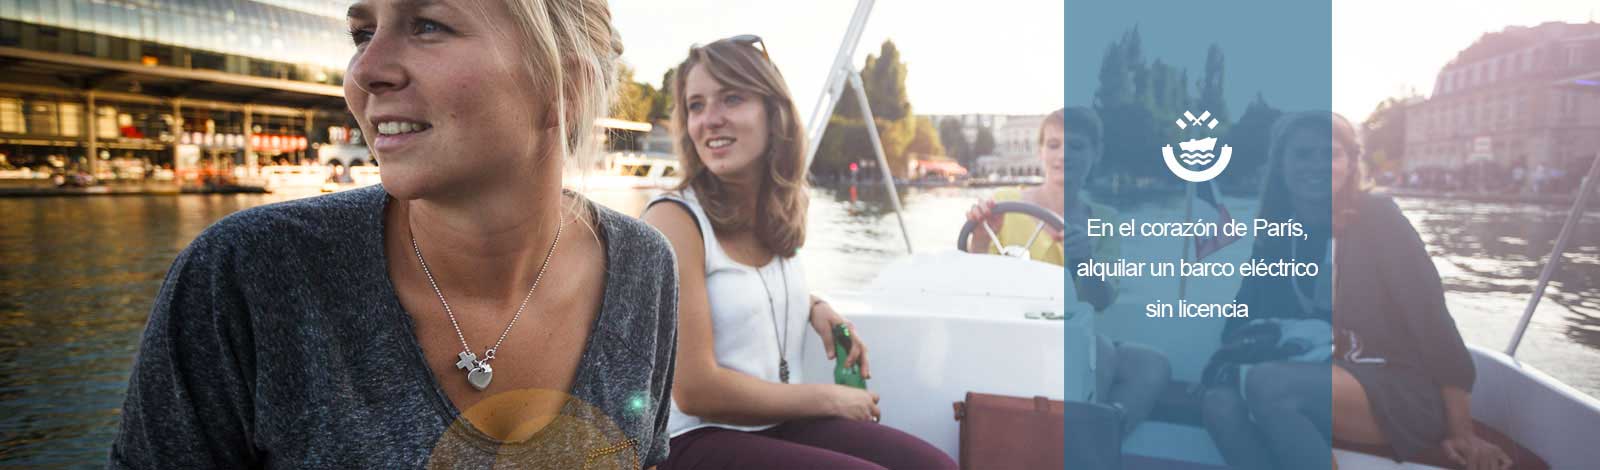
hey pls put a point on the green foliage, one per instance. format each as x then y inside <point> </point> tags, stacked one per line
<point>634,99</point>
<point>1138,102</point>
<point>886,84</point>
<point>896,136</point>
<point>925,141</point>
<point>955,143</point>
<point>1251,138</point>
<point>1211,98</point>
<point>661,102</point>
<point>845,140</point>
<point>1385,132</point>
<point>984,143</point>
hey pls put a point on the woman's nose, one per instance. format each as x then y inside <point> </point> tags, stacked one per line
<point>715,118</point>
<point>378,68</point>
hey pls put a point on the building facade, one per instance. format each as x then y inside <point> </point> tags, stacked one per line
<point>1510,104</point>
<point>1016,142</point>
<point>171,89</point>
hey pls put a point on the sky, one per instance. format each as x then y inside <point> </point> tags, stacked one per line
<point>999,56</point>
<point>1007,56</point>
<point>1380,48</point>
<point>1383,48</point>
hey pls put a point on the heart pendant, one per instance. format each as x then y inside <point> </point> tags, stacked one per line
<point>480,376</point>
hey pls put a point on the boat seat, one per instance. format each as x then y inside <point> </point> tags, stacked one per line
<point>1522,458</point>
<point>1140,462</point>
<point>1177,405</point>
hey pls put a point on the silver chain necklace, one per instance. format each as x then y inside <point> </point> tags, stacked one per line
<point>783,339</point>
<point>478,371</point>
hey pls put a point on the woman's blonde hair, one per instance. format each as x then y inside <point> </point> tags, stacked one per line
<point>779,221</point>
<point>571,53</point>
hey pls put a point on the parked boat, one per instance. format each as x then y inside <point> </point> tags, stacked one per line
<point>628,170</point>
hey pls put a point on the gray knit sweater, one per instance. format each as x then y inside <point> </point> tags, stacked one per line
<point>277,341</point>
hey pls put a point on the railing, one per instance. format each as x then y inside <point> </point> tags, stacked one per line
<point>841,74</point>
<point>1574,217</point>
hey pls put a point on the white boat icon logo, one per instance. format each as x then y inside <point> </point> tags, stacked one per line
<point>1191,164</point>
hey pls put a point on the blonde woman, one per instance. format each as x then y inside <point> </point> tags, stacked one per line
<point>736,223</point>
<point>467,312</point>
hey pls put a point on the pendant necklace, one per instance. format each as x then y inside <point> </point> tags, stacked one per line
<point>783,339</point>
<point>478,371</point>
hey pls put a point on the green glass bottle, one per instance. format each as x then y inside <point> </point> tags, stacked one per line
<point>848,376</point>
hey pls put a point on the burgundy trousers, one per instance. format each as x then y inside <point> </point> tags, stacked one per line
<point>824,443</point>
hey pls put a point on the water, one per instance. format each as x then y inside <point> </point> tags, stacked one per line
<point>1490,256</point>
<point>78,275</point>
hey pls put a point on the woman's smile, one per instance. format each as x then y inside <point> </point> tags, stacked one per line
<point>395,135</point>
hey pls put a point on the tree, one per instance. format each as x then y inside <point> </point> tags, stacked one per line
<point>896,136</point>
<point>886,85</point>
<point>1385,131</point>
<point>1251,138</point>
<point>634,99</point>
<point>883,76</point>
<point>955,142</point>
<point>984,144</point>
<point>1128,106</point>
<point>1211,98</point>
<point>1137,103</point>
<point>661,102</point>
<point>925,141</point>
<point>844,141</point>
<point>1116,77</point>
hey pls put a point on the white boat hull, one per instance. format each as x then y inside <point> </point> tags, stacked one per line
<point>931,344</point>
<point>939,326</point>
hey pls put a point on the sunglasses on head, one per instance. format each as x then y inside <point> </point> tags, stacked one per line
<point>745,40</point>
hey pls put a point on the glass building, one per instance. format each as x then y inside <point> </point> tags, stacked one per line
<point>140,89</point>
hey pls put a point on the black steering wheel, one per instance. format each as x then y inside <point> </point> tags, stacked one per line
<point>1044,216</point>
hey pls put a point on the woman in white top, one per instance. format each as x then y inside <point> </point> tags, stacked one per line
<point>736,222</point>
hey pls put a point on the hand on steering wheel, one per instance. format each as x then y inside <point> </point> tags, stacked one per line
<point>1046,219</point>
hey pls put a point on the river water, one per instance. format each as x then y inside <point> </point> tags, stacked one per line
<point>78,275</point>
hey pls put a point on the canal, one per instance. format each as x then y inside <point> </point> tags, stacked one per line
<point>78,275</point>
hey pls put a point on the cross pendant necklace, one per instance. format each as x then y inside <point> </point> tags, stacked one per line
<point>479,373</point>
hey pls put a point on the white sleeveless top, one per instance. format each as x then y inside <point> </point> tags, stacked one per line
<point>745,321</point>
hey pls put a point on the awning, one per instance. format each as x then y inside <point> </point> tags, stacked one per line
<point>941,166</point>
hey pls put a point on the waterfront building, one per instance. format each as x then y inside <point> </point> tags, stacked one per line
<point>171,89</point>
<point>970,123</point>
<point>1016,139</point>
<point>1018,136</point>
<point>1505,108</point>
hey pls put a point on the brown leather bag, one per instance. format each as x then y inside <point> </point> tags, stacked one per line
<point>1000,432</point>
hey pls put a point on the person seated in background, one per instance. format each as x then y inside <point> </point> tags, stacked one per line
<point>1128,376</point>
<point>736,223</point>
<point>1401,373</point>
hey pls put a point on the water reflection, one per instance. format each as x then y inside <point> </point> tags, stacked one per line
<point>78,277</point>
<point>1490,256</point>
